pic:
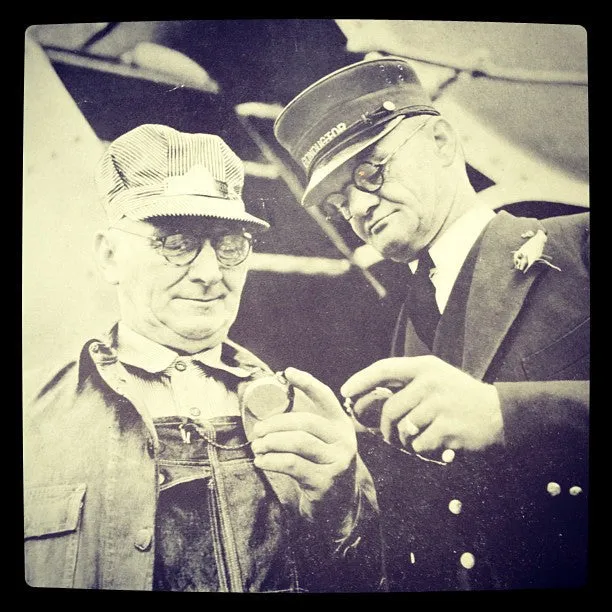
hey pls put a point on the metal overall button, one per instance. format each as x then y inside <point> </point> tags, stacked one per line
<point>143,539</point>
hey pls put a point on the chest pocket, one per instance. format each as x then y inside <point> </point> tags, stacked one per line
<point>52,515</point>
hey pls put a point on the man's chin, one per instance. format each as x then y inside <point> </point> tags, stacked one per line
<point>199,335</point>
<point>396,251</point>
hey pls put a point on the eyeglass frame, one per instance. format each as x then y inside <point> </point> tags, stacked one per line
<point>379,172</point>
<point>161,240</point>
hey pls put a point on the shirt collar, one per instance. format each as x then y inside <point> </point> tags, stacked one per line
<point>139,351</point>
<point>455,243</point>
<point>452,247</point>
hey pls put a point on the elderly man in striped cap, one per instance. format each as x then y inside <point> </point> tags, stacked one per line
<point>166,457</point>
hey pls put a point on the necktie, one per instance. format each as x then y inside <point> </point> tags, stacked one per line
<point>421,302</point>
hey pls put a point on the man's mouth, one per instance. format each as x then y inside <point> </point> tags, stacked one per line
<point>378,225</point>
<point>202,300</point>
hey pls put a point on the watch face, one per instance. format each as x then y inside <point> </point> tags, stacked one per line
<point>266,397</point>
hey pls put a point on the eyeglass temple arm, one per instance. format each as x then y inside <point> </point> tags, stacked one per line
<point>151,238</point>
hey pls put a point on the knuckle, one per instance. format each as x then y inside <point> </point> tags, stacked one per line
<point>430,360</point>
<point>446,427</point>
<point>429,382</point>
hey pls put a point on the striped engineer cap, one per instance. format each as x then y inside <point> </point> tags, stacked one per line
<point>155,170</point>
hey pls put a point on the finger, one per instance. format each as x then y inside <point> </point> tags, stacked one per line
<point>313,424</point>
<point>368,408</point>
<point>398,406</point>
<point>317,392</point>
<point>423,414</point>
<point>299,443</point>
<point>306,473</point>
<point>416,421</point>
<point>431,439</point>
<point>406,430</point>
<point>382,372</point>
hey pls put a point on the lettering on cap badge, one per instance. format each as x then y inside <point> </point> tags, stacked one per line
<point>321,142</point>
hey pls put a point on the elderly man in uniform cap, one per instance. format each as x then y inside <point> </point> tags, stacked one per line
<point>167,457</point>
<point>483,405</point>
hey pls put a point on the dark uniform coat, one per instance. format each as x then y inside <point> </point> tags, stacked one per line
<point>512,517</point>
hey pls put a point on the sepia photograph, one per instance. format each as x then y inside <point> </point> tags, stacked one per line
<point>306,307</point>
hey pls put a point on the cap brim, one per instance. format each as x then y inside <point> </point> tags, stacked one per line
<point>200,206</point>
<point>315,190</point>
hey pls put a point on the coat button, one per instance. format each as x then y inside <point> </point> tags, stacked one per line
<point>162,477</point>
<point>467,560</point>
<point>195,411</point>
<point>448,455</point>
<point>143,539</point>
<point>553,488</point>
<point>180,366</point>
<point>575,490</point>
<point>455,506</point>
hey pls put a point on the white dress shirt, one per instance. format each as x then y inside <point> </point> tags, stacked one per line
<point>451,249</point>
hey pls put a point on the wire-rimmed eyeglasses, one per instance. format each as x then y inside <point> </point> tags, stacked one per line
<point>367,176</point>
<point>181,249</point>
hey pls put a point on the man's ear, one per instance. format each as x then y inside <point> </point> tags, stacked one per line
<point>445,139</point>
<point>105,252</point>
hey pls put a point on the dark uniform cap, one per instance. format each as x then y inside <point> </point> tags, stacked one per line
<point>346,111</point>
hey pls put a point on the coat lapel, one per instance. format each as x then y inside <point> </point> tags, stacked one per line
<point>405,340</point>
<point>497,292</point>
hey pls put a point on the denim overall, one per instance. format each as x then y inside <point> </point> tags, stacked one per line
<point>220,526</point>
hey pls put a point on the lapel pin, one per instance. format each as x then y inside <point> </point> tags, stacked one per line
<point>532,251</point>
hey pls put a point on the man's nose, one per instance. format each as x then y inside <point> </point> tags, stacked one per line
<point>205,267</point>
<point>361,203</point>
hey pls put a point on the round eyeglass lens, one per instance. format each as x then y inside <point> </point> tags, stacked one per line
<point>232,249</point>
<point>368,176</point>
<point>181,248</point>
<point>336,204</point>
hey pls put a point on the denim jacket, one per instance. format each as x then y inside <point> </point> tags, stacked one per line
<point>91,489</point>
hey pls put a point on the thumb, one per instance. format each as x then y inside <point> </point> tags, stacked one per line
<point>316,396</point>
